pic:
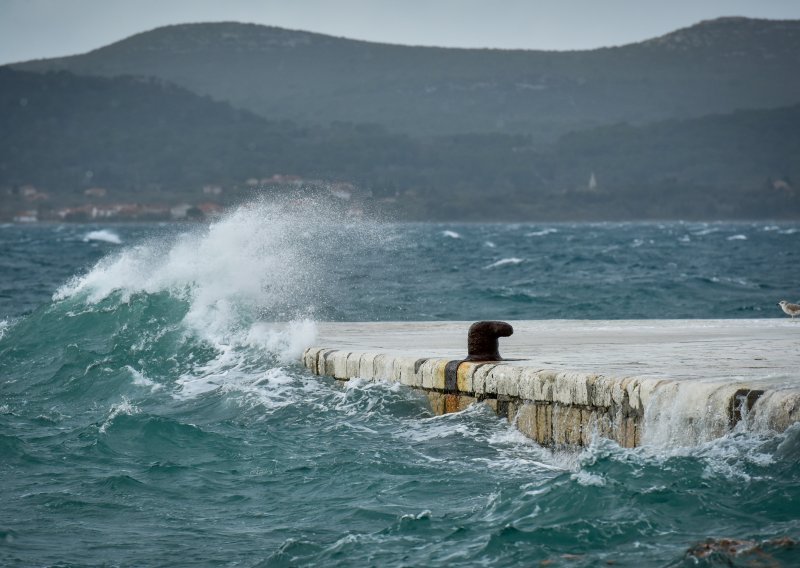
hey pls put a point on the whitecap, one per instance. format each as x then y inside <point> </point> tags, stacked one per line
<point>504,262</point>
<point>141,380</point>
<point>588,479</point>
<point>4,325</point>
<point>451,234</point>
<point>103,236</point>
<point>426,514</point>
<point>737,238</point>
<point>542,233</point>
<point>124,408</point>
<point>704,232</point>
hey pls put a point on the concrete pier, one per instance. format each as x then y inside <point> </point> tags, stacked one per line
<point>642,381</point>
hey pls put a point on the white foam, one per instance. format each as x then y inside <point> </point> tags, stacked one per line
<point>505,262</point>
<point>451,234</point>
<point>256,260</point>
<point>287,343</point>
<point>5,324</point>
<point>541,233</point>
<point>737,238</point>
<point>426,514</point>
<point>104,236</point>
<point>125,408</point>
<point>588,479</point>
<point>141,380</point>
<point>686,413</point>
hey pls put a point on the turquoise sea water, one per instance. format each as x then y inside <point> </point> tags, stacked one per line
<point>151,415</point>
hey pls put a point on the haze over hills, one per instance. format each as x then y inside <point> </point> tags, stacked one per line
<point>713,67</point>
<point>702,123</point>
<point>142,140</point>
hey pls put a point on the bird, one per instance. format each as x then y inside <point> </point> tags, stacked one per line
<point>789,309</point>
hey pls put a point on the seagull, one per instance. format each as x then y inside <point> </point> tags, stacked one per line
<point>789,309</point>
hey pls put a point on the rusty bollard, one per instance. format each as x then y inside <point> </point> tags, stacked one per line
<point>482,345</point>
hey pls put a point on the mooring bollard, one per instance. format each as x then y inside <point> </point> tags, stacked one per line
<point>482,346</point>
<point>482,340</point>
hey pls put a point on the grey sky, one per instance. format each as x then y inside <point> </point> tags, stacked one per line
<point>48,28</point>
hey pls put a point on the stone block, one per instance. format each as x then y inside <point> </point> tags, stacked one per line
<point>588,425</point>
<point>309,359</point>
<point>560,417</point>
<point>637,434</point>
<point>526,420</point>
<point>619,429</point>
<point>425,370</point>
<point>543,389</point>
<point>352,366</point>
<point>633,389</point>
<point>526,381</point>
<point>604,424</point>
<point>479,378</point>
<point>568,425</point>
<point>544,424</point>
<point>630,433</point>
<point>437,401</point>
<point>490,384</point>
<point>513,408</point>
<point>570,388</point>
<point>451,403</point>
<point>396,367</point>
<point>464,377</point>
<point>379,365</point>
<point>406,367</point>
<point>600,390</point>
<point>508,380</point>
<point>465,401</point>
<point>340,364</point>
<point>326,362</point>
<point>438,375</point>
<point>366,366</point>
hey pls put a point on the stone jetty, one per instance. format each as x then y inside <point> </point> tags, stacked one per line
<point>561,382</point>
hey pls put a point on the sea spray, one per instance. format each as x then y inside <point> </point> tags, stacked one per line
<point>265,261</point>
<point>692,412</point>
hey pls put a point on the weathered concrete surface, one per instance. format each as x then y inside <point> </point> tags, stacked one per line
<point>659,381</point>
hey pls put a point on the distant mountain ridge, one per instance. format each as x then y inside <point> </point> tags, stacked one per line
<point>715,66</point>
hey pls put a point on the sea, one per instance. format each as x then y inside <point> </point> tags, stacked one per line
<point>154,413</point>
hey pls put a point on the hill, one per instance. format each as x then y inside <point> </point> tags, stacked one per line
<point>143,140</point>
<point>713,67</point>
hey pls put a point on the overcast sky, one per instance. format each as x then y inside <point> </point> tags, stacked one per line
<point>48,28</point>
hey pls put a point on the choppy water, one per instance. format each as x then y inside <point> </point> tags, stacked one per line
<point>150,415</point>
